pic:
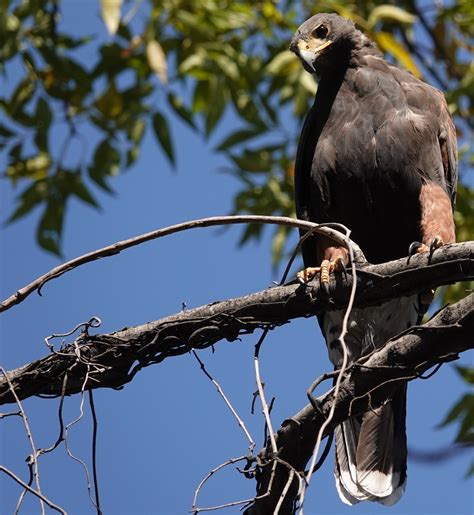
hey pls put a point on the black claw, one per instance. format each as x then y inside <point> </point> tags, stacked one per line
<point>435,244</point>
<point>325,288</point>
<point>342,264</point>
<point>412,250</point>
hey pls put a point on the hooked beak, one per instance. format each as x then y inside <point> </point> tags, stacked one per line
<point>308,50</point>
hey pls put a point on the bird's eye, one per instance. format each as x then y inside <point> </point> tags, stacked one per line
<point>320,32</point>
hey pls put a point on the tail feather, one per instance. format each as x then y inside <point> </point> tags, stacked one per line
<point>371,449</point>
<point>345,469</point>
<point>371,454</point>
<point>375,452</point>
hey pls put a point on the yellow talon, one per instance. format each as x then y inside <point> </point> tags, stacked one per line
<point>326,269</point>
<point>307,274</point>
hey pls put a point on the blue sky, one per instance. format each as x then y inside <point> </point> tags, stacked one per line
<point>163,432</point>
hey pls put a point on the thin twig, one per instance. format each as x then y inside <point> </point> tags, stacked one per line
<point>61,420</point>
<point>261,393</point>
<point>293,471</point>
<point>345,357</point>
<point>119,246</point>
<point>92,322</point>
<point>66,443</point>
<point>284,492</point>
<point>10,414</point>
<point>222,506</point>
<point>24,491</point>
<point>226,400</point>
<point>208,476</point>
<point>94,452</point>
<point>40,496</point>
<point>34,455</point>
<point>325,453</point>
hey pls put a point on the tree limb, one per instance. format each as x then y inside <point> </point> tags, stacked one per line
<point>113,359</point>
<point>367,384</point>
<point>331,229</point>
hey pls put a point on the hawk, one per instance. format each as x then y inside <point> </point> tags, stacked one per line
<point>377,153</point>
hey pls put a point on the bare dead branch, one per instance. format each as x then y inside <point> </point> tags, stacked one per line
<point>10,414</point>
<point>94,452</point>
<point>115,358</point>
<point>220,391</point>
<point>33,458</point>
<point>332,230</point>
<point>261,392</point>
<point>32,490</point>
<point>404,358</point>
<point>345,360</point>
<point>231,461</point>
<point>66,441</point>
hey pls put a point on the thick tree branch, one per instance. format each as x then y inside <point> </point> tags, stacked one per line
<point>367,384</point>
<point>114,358</point>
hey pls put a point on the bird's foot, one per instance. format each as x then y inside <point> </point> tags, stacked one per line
<point>425,298</point>
<point>327,267</point>
<point>419,248</point>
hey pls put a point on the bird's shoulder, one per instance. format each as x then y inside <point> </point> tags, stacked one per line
<point>375,76</point>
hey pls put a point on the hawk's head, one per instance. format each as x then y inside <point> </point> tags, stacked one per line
<point>327,41</point>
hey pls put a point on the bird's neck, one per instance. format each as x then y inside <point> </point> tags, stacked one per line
<point>330,81</point>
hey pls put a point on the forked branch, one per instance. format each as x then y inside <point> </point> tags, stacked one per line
<point>367,384</point>
<point>113,359</point>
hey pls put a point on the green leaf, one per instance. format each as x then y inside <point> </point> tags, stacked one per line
<point>252,231</point>
<point>192,62</point>
<point>278,244</point>
<point>50,227</point>
<point>43,114</point>
<point>467,373</point>
<point>110,102</point>
<point>30,198</point>
<point>238,137</point>
<point>80,190</point>
<point>106,162</point>
<point>259,160</point>
<point>181,110</point>
<point>455,411</point>
<point>462,413</point>
<point>216,105</point>
<point>23,92</point>
<point>35,167</point>
<point>132,155</point>
<point>137,130</point>
<point>200,96</point>
<point>43,118</point>
<point>162,132</point>
<point>69,42</point>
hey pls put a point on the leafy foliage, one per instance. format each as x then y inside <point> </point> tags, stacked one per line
<point>209,57</point>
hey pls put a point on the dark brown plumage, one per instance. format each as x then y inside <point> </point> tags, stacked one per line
<point>377,153</point>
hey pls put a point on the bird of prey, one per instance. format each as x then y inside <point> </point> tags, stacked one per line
<point>377,153</point>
